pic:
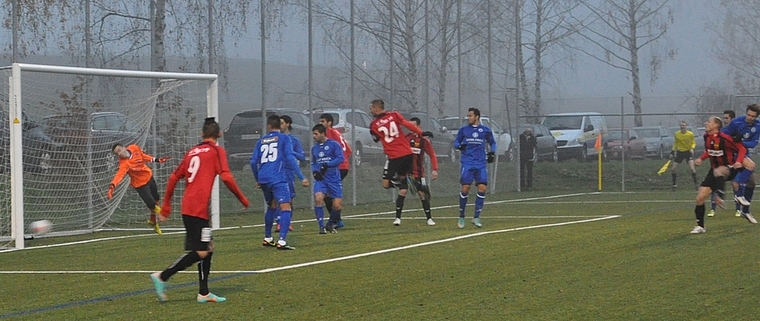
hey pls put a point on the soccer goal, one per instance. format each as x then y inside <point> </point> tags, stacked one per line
<point>58,126</point>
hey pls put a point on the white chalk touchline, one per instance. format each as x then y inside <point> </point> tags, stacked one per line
<point>349,257</point>
<point>299,221</point>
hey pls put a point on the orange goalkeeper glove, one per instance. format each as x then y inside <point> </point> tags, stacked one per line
<point>110,191</point>
<point>161,159</point>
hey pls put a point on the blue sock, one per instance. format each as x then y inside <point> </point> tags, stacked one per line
<point>748,192</point>
<point>740,190</point>
<point>319,212</point>
<point>269,221</point>
<point>335,216</point>
<point>479,203</point>
<point>284,223</point>
<point>462,203</point>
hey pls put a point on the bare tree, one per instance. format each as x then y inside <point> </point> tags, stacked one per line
<point>738,44</point>
<point>620,29</point>
<point>407,17</point>
<point>44,27</point>
<point>551,27</point>
<point>712,98</point>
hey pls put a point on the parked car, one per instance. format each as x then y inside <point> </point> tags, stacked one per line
<point>576,133</point>
<point>443,141</point>
<point>354,123</point>
<point>245,129</point>
<point>504,141</point>
<point>659,141</point>
<point>625,143</point>
<point>36,146</point>
<point>92,135</point>
<point>546,144</point>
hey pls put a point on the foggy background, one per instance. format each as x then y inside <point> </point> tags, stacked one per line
<point>691,56</point>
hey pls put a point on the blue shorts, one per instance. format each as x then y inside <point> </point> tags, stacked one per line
<point>280,192</point>
<point>332,189</point>
<point>477,173</point>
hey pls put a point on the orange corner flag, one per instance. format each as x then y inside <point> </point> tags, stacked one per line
<point>598,144</point>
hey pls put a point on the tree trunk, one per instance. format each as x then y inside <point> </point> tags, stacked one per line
<point>411,49</point>
<point>444,56</point>
<point>538,48</point>
<point>634,49</point>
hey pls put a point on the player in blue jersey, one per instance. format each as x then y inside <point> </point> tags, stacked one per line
<point>326,157</point>
<point>272,164</point>
<point>472,140</point>
<point>286,125</point>
<point>745,129</point>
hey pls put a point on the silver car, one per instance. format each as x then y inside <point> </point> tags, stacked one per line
<point>659,140</point>
<point>503,139</point>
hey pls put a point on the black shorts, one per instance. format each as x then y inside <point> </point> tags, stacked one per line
<point>397,166</point>
<point>716,183</point>
<point>682,156</point>
<point>343,174</point>
<point>197,233</point>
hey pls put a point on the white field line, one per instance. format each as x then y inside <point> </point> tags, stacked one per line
<point>349,257</point>
<point>182,231</point>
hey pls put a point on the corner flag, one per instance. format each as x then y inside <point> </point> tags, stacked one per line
<point>663,168</point>
<point>598,144</point>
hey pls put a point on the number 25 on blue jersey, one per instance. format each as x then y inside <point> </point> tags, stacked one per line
<point>268,152</point>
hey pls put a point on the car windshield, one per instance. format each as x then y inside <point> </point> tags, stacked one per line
<point>649,132</point>
<point>452,123</point>
<point>615,134</point>
<point>315,117</point>
<point>563,122</point>
<point>247,120</point>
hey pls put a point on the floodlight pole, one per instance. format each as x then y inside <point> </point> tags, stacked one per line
<point>353,102</point>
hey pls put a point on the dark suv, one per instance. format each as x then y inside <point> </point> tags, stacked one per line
<point>36,145</point>
<point>443,141</point>
<point>93,135</point>
<point>244,131</point>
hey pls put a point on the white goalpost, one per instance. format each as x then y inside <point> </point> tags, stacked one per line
<point>58,126</point>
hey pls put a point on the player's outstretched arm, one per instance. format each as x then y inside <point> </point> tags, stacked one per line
<point>229,181</point>
<point>255,158</point>
<point>166,208</point>
<point>411,126</point>
<point>428,146</point>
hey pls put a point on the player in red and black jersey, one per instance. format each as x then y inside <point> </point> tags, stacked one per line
<point>386,128</point>
<point>726,158</point>
<point>199,168</point>
<point>420,147</point>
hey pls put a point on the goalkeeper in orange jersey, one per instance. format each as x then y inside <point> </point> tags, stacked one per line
<point>132,161</point>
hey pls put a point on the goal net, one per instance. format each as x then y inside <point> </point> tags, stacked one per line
<point>58,126</point>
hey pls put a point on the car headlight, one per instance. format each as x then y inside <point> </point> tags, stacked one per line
<point>573,141</point>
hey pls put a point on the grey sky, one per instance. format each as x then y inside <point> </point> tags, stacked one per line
<point>692,67</point>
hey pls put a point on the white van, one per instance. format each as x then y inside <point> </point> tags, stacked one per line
<point>576,133</point>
